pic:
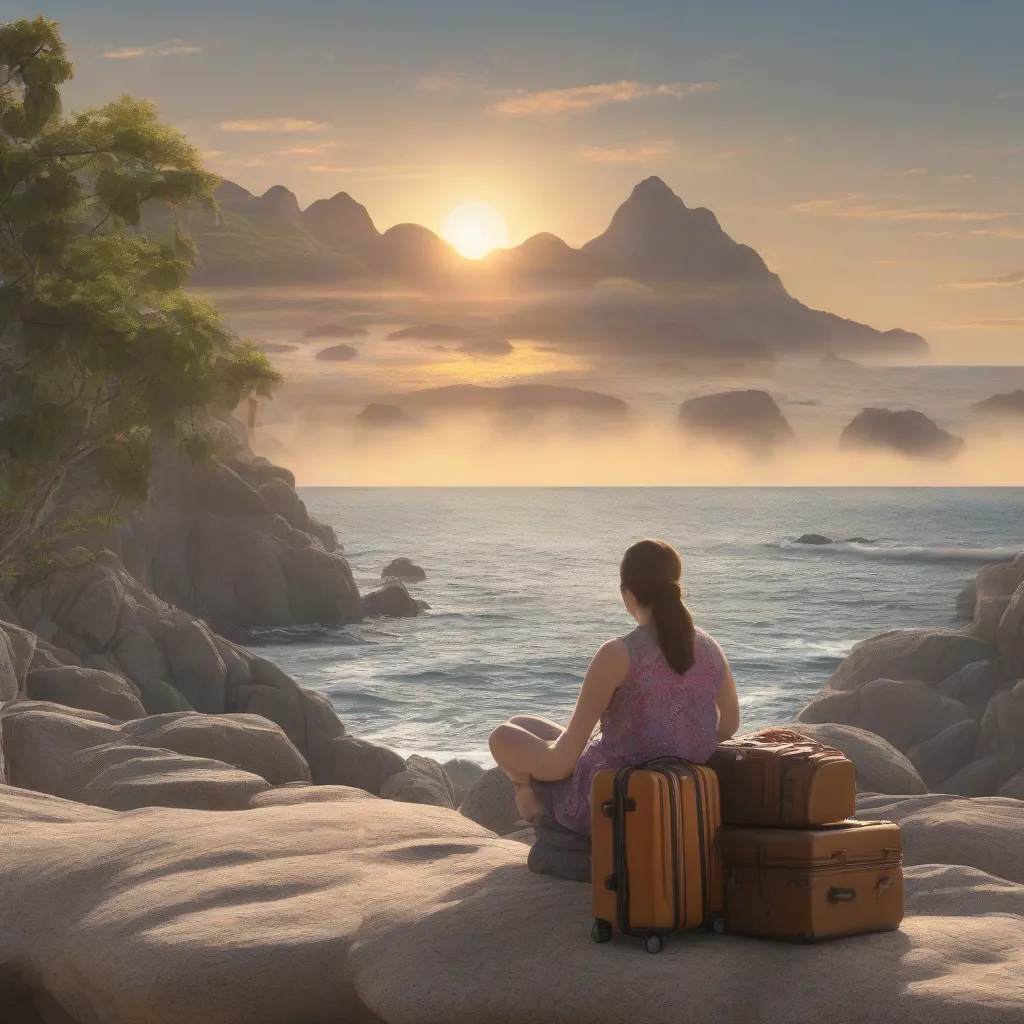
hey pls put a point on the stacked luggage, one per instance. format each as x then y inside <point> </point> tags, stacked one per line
<point>760,841</point>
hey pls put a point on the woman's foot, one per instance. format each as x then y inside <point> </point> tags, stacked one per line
<point>528,803</point>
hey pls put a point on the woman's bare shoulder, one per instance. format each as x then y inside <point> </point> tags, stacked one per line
<point>613,658</point>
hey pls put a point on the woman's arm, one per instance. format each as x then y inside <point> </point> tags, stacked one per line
<point>728,704</point>
<point>607,672</point>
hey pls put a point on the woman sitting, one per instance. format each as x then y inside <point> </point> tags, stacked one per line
<point>663,690</point>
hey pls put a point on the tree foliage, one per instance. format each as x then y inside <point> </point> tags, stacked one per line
<point>102,352</point>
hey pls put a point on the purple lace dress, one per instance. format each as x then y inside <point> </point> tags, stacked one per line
<point>655,713</point>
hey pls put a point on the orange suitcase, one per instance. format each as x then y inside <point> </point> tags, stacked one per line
<point>655,864</point>
<point>805,885</point>
<point>779,779</point>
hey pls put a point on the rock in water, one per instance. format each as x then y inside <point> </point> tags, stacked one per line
<point>814,538</point>
<point>907,432</point>
<point>750,419</point>
<point>337,353</point>
<point>1011,404</point>
<point>403,569</point>
<point>391,601</point>
<point>378,414</point>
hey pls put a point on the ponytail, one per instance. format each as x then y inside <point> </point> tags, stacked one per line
<point>674,625</point>
<point>651,570</point>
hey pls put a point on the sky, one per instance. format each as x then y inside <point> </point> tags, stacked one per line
<point>871,151</point>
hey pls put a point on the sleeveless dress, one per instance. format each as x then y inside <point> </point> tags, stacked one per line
<point>656,712</point>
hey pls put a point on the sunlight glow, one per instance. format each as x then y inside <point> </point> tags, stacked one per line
<point>474,229</point>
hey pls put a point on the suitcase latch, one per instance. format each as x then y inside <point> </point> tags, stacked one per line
<point>608,807</point>
<point>836,895</point>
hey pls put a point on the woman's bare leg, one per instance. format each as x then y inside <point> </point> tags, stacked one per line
<point>518,746</point>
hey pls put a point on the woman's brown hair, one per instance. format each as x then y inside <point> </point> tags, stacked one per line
<point>651,570</point>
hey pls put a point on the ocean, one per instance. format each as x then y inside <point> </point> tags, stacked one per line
<point>523,589</point>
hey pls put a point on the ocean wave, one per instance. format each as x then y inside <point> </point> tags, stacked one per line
<point>904,552</point>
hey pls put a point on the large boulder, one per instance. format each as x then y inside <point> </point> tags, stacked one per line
<point>751,419</point>
<point>391,600</point>
<point>904,713</point>
<point>1014,789</point>
<point>996,584</point>
<point>360,763</point>
<point>922,655</point>
<point>939,829</point>
<point>17,649</point>
<point>85,688</point>
<point>377,911</point>
<point>1002,733</point>
<point>198,669</point>
<point>172,780</point>
<point>974,685</point>
<point>1010,632</point>
<point>249,742</point>
<point>297,793</point>
<point>945,753</point>
<point>491,802</point>
<point>977,778</point>
<point>84,765</point>
<point>218,546</point>
<point>424,781</point>
<point>881,768</point>
<point>39,738</point>
<point>463,774</point>
<point>907,432</point>
<point>403,569</point>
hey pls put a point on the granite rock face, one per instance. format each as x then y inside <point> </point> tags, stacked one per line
<point>333,894</point>
<point>951,700</point>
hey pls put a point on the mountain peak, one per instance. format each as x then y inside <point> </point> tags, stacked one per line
<point>652,191</point>
<point>340,222</point>
<point>654,236</point>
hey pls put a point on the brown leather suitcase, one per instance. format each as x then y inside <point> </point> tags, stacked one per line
<point>779,779</point>
<point>805,885</point>
<point>655,865</point>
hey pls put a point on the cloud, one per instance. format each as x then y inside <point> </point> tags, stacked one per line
<point>210,154</point>
<point>310,150</point>
<point>636,153</point>
<point>1013,94</point>
<point>861,207</point>
<point>173,49</point>
<point>1016,233</point>
<point>1015,277</point>
<point>1010,323</point>
<point>376,172</point>
<point>272,124</point>
<point>897,263</point>
<point>579,99</point>
<point>444,79</point>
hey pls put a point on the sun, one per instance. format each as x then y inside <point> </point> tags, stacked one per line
<point>475,229</point>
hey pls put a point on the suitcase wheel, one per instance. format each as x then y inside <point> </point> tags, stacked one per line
<point>653,944</point>
<point>717,925</point>
<point>601,931</point>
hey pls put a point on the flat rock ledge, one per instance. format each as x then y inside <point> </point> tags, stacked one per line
<point>368,911</point>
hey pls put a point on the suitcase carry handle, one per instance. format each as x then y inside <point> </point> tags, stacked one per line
<point>836,895</point>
